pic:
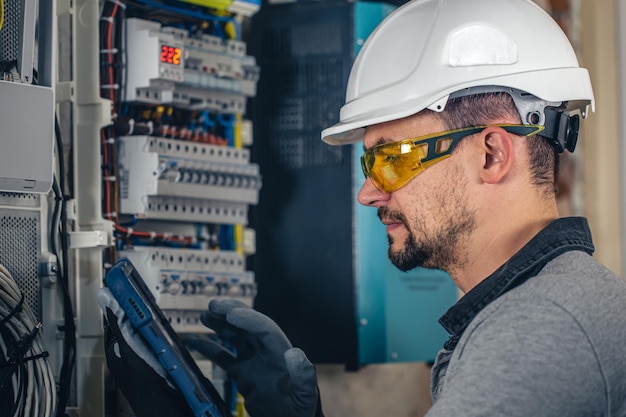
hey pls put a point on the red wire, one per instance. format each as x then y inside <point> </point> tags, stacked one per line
<point>156,236</point>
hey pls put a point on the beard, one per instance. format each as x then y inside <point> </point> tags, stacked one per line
<point>436,249</point>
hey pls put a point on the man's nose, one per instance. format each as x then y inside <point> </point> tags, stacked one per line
<point>369,195</point>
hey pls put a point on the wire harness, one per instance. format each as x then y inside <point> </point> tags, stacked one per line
<point>27,386</point>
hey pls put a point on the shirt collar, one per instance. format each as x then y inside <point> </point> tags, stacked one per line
<point>561,235</point>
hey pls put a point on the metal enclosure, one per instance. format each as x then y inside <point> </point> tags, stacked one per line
<point>321,262</point>
<point>26,109</point>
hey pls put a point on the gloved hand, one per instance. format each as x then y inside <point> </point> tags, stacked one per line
<point>137,372</point>
<point>275,379</point>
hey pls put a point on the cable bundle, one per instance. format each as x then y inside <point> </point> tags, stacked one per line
<point>27,386</point>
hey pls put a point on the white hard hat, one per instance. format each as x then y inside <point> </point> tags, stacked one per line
<point>427,50</point>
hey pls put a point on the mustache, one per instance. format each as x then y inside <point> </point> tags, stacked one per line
<point>391,215</point>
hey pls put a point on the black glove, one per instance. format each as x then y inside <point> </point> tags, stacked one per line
<point>136,370</point>
<point>275,379</point>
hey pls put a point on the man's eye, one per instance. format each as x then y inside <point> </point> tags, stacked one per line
<point>391,158</point>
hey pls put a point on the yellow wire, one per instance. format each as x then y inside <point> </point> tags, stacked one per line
<point>240,410</point>
<point>1,13</point>
<point>239,238</point>
<point>231,30</point>
<point>237,132</point>
<point>238,144</point>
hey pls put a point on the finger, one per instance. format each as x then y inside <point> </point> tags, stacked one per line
<point>211,349</point>
<point>264,331</point>
<point>222,306</point>
<point>215,316</point>
<point>217,323</point>
<point>243,342</point>
<point>257,327</point>
<point>303,379</point>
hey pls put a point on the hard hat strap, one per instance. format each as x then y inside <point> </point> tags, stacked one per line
<point>561,129</point>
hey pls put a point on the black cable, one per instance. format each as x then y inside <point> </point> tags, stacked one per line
<point>61,156</point>
<point>112,17</point>
<point>104,64</point>
<point>124,61</point>
<point>56,217</point>
<point>69,340</point>
<point>119,63</point>
<point>68,328</point>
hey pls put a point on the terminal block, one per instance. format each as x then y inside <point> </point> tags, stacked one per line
<point>171,179</point>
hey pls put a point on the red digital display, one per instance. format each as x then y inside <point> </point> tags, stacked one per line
<point>170,55</point>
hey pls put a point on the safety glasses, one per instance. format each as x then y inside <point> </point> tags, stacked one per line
<point>391,165</point>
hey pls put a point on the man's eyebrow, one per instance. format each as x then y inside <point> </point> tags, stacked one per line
<point>380,141</point>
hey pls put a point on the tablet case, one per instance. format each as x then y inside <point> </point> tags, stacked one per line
<point>139,304</point>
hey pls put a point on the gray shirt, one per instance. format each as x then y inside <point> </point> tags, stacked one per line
<point>555,345</point>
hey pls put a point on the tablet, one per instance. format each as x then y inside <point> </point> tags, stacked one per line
<point>146,317</point>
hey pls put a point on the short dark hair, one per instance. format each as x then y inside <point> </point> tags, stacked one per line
<point>485,108</point>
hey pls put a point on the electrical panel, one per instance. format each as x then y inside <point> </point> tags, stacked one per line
<point>177,179</point>
<point>321,264</point>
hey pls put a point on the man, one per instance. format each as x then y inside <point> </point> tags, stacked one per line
<point>463,107</point>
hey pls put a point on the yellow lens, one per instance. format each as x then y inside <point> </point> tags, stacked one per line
<point>395,164</point>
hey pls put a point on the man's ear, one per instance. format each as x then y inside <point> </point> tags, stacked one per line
<point>498,150</point>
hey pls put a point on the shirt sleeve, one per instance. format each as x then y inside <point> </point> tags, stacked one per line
<point>523,359</point>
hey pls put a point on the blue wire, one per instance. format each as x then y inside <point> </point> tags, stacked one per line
<point>227,237</point>
<point>183,11</point>
<point>228,122</point>
<point>206,119</point>
<point>132,223</point>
